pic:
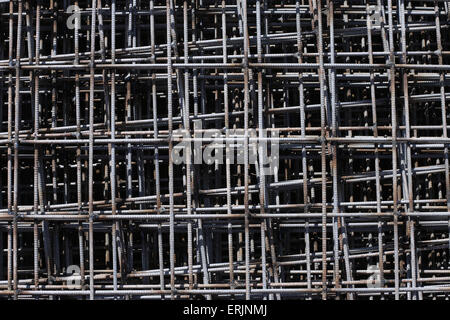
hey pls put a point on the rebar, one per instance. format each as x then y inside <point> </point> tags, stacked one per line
<point>221,149</point>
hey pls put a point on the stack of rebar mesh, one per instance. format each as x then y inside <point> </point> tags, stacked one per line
<point>207,149</point>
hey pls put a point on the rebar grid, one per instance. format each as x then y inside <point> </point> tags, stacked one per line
<point>357,92</point>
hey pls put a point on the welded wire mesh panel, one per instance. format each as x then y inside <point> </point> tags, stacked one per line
<point>248,149</point>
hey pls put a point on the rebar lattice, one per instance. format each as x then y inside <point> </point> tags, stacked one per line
<point>93,93</point>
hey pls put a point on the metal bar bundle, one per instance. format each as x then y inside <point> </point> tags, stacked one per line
<point>224,149</point>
